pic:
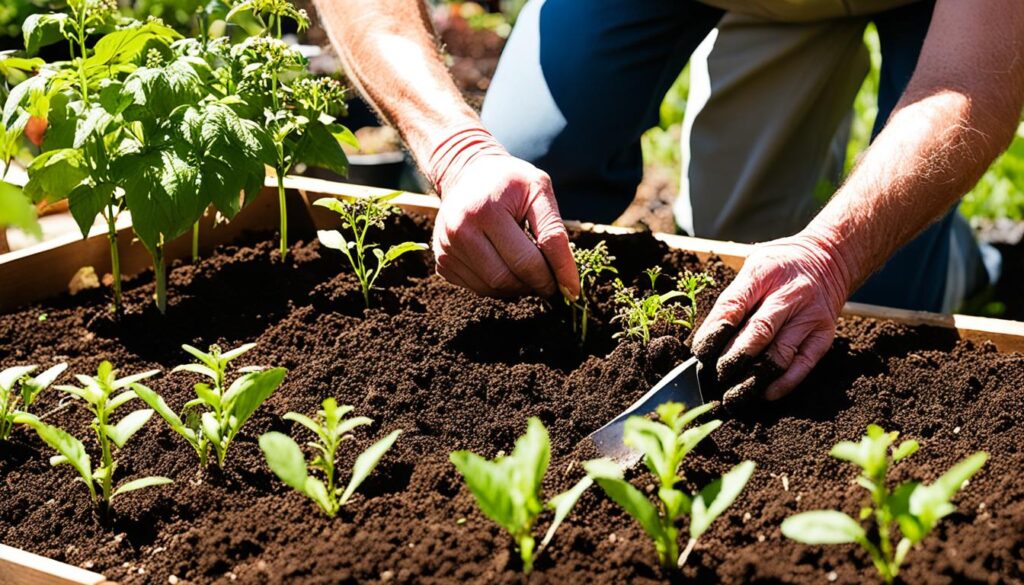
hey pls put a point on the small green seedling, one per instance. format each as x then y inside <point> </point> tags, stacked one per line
<point>692,284</point>
<point>220,410</point>
<point>914,507</point>
<point>665,443</point>
<point>358,215</point>
<point>638,315</point>
<point>508,489</point>
<point>102,395</point>
<point>19,390</point>
<point>331,428</point>
<point>591,263</point>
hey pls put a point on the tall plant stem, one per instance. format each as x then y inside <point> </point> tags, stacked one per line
<point>160,270</point>
<point>115,259</point>
<point>108,458</point>
<point>283,207</point>
<point>195,242</point>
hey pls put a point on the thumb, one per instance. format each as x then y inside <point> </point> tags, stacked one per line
<point>549,231</point>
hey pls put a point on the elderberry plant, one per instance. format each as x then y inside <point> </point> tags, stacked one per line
<point>665,443</point>
<point>507,489</point>
<point>590,263</point>
<point>214,417</point>
<point>101,395</point>
<point>914,507</point>
<point>358,215</point>
<point>331,429</point>
<point>299,112</point>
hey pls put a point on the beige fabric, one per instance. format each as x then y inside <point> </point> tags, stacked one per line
<point>763,112</point>
<point>805,10</point>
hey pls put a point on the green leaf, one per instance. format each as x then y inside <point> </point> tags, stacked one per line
<point>33,386</point>
<point>488,482</point>
<point>161,193</point>
<point>929,504</point>
<point>10,376</point>
<point>55,173</point>
<point>906,449</point>
<point>126,45</point>
<point>304,421</point>
<point>128,426</point>
<point>17,211</point>
<point>531,455</point>
<point>212,430</point>
<point>120,400</point>
<point>285,459</point>
<point>691,437</point>
<point>157,403</point>
<point>658,444</point>
<point>332,238</point>
<point>68,446</point>
<point>251,393</point>
<point>563,504</point>
<point>343,135</point>
<point>366,462</point>
<point>41,30</point>
<point>93,123</point>
<point>318,148</point>
<point>197,369</point>
<point>156,92</point>
<point>138,484</point>
<point>317,491</point>
<point>635,503</point>
<point>87,201</point>
<point>823,527</point>
<point>717,496</point>
<point>399,249</point>
<point>234,354</point>
<point>132,379</point>
<point>330,203</point>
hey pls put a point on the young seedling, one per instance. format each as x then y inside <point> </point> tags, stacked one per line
<point>358,215</point>
<point>591,263</point>
<point>665,443</point>
<point>18,390</point>
<point>692,284</point>
<point>915,507</point>
<point>638,315</point>
<point>507,489</point>
<point>101,395</point>
<point>214,417</point>
<point>331,429</point>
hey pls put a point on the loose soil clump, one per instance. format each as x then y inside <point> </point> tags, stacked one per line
<point>457,371</point>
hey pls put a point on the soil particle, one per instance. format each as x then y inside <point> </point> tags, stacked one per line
<point>456,371</point>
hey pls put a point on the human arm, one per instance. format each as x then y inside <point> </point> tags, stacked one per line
<point>389,52</point>
<point>958,114</point>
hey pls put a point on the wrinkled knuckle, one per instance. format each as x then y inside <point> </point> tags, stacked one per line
<point>783,353</point>
<point>762,329</point>
<point>553,238</point>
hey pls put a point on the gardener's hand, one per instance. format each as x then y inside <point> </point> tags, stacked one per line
<point>479,240</point>
<point>784,302</point>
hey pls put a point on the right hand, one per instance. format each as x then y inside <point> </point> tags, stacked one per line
<point>479,240</point>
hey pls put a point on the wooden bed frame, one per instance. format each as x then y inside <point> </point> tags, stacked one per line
<point>44,271</point>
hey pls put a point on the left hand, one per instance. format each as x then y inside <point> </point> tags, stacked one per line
<point>786,298</point>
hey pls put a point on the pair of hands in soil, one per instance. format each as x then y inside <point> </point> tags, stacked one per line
<point>782,305</point>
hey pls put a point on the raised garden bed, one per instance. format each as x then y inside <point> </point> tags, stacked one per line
<point>456,371</point>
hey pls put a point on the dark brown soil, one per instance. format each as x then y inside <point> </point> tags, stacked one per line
<point>460,372</point>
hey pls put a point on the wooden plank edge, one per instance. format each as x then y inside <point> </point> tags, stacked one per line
<point>19,567</point>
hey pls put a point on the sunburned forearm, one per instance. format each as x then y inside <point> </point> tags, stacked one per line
<point>958,114</point>
<point>389,52</point>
